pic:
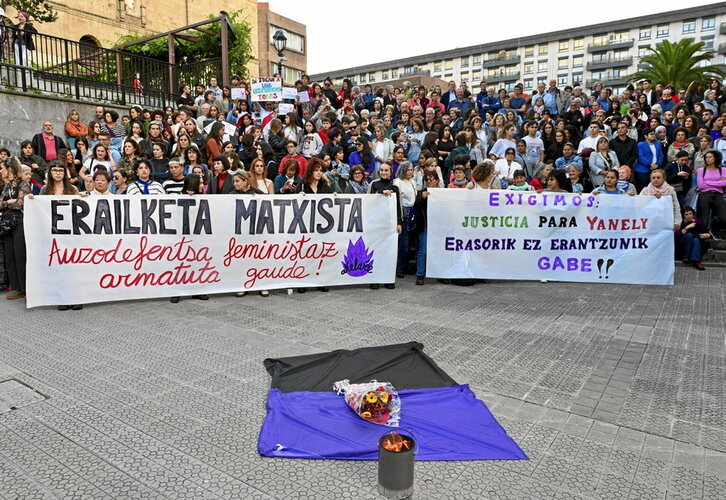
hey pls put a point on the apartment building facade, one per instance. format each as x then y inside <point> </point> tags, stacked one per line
<point>608,53</point>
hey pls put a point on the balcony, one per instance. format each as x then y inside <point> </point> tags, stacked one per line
<point>507,60</point>
<point>612,44</point>
<point>723,29</point>
<point>722,48</point>
<point>612,80</point>
<point>609,63</point>
<point>503,77</point>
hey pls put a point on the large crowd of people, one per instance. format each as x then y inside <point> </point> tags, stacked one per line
<point>650,140</point>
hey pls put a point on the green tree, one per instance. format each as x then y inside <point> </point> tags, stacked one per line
<point>40,10</point>
<point>679,64</point>
<point>206,46</point>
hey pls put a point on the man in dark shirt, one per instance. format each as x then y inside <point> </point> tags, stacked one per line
<point>625,148</point>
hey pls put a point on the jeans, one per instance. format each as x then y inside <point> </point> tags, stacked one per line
<point>691,246</point>
<point>421,255</point>
<point>402,261</point>
<point>712,201</point>
<point>15,257</point>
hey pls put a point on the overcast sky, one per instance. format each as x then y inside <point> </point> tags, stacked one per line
<point>346,34</point>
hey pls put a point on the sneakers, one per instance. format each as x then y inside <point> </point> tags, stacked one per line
<point>419,280</point>
<point>77,307</point>
<point>265,293</point>
<point>241,294</point>
<point>200,297</point>
<point>714,236</point>
<point>15,295</point>
<point>699,266</point>
<point>375,286</point>
<point>64,307</point>
<point>400,275</point>
<point>323,289</point>
<point>390,286</point>
<point>174,300</point>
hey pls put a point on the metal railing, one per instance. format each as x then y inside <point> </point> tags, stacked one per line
<point>85,71</point>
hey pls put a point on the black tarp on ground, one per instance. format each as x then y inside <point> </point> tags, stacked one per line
<point>403,365</point>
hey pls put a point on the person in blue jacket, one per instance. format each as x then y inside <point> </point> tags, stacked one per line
<point>650,157</point>
<point>487,102</point>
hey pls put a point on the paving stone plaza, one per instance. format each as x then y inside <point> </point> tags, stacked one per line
<point>613,391</point>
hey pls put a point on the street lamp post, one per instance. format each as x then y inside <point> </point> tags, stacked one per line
<point>280,41</point>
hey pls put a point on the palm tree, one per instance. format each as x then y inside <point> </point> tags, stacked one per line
<point>679,63</point>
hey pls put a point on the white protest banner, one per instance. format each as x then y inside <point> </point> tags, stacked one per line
<point>554,236</point>
<point>303,96</point>
<point>289,92</point>
<point>238,93</point>
<point>229,129</point>
<point>103,248</point>
<point>285,108</point>
<point>266,89</point>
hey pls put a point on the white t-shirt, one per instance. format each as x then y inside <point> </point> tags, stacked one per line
<point>504,169</point>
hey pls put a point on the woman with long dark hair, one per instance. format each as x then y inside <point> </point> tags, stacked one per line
<point>12,201</point>
<point>213,146</point>
<point>363,156</point>
<point>711,183</point>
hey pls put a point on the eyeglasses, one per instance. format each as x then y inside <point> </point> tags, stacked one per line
<point>357,173</point>
<point>58,170</point>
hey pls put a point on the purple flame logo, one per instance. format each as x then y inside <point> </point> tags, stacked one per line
<point>358,261</point>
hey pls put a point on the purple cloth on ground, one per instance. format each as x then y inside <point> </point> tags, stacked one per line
<point>448,423</point>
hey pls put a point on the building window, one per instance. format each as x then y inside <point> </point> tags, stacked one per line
<point>708,24</point>
<point>448,75</point>
<point>437,67</point>
<point>562,63</point>
<point>564,46</point>
<point>528,84</point>
<point>476,75</point>
<point>493,72</point>
<point>543,49</point>
<point>643,51</point>
<point>578,61</point>
<point>465,78</point>
<point>619,55</point>
<point>645,33</point>
<point>599,75</point>
<point>529,51</point>
<point>620,72</point>
<point>528,68</point>
<point>577,79</point>
<point>449,64</point>
<point>371,77</point>
<point>509,86</point>
<point>394,73</point>
<point>464,62</point>
<point>599,57</point>
<point>384,76</point>
<point>579,43</point>
<point>477,60</point>
<point>689,26</point>
<point>542,66</point>
<point>599,40</point>
<point>294,41</point>
<point>621,36</point>
<point>562,80</point>
<point>663,31</point>
<point>363,78</point>
<point>707,42</point>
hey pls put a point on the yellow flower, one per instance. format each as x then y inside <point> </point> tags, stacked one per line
<point>371,397</point>
<point>366,414</point>
<point>383,397</point>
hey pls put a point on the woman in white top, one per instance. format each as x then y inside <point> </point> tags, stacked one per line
<point>505,167</point>
<point>258,179</point>
<point>407,189</point>
<point>506,140</point>
<point>99,158</point>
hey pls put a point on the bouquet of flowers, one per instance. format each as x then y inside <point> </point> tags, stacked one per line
<point>376,402</point>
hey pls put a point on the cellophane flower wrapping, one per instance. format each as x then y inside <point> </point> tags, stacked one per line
<point>375,402</point>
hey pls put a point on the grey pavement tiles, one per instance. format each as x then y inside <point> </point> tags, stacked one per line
<point>613,391</point>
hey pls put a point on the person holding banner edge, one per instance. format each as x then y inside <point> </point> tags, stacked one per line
<point>11,204</point>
